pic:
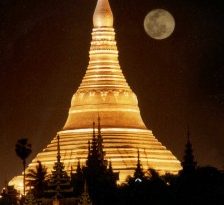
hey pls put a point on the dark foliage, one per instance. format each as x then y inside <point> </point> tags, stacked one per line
<point>37,180</point>
<point>23,150</point>
<point>192,186</point>
<point>204,186</point>
<point>9,196</point>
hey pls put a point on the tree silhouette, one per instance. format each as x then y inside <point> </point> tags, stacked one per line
<point>77,180</point>
<point>23,150</point>
<point>100,178</point>
<point>37,179</point>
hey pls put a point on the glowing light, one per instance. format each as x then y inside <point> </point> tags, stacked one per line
<point>138,180</point>
<point>56,202</point>
<point>112,110</point>
<point>104,91</point>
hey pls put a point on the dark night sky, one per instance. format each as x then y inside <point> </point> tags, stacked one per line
<point>180,80</point>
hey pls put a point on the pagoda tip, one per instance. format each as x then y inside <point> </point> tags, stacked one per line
<point>103,16</point>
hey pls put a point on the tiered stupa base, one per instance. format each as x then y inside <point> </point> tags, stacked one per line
<point>120,145</point>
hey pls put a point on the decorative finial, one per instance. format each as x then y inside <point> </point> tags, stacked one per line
<point>94,133</point>
<point>89,146</point>
<point>138,174</point>
<point>99,126</point>
<point>103,16</point>
<point>189,164</point>
<point>58,148</point>
<point>79,169</point>
<point>138,158</point>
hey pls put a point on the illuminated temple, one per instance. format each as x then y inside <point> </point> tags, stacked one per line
<point>104,92</point>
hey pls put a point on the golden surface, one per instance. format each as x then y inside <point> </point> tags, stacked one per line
<point>103,15</point>
<point>104,92</point>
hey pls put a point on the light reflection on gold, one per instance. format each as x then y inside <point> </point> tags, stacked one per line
<point>105,92</point>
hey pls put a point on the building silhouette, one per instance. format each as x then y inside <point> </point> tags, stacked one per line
<point>188,163</point>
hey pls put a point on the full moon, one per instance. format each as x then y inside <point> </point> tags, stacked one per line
<point>159,24</point>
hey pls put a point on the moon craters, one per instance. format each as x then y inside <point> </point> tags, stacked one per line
<point>159,24</point>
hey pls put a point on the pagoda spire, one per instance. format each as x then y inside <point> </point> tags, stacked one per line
<point>89,149</point>
<point>188,163</point>
<point>58,149</point>
<point>104,88</point>
<point>94,132</point>
<point>100,142</point>
<point>94,149</point>
<point>103,71</point>
<point>78,169</point>
<point>138,174</point>
<point>99,126</point>
<point>59,182</point>
<point>103,16</point>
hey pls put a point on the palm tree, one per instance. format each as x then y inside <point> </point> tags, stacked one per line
<point>23,150</point>
<point>37,179</point>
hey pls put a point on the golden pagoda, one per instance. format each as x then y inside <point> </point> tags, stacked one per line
<point>104,92</point>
